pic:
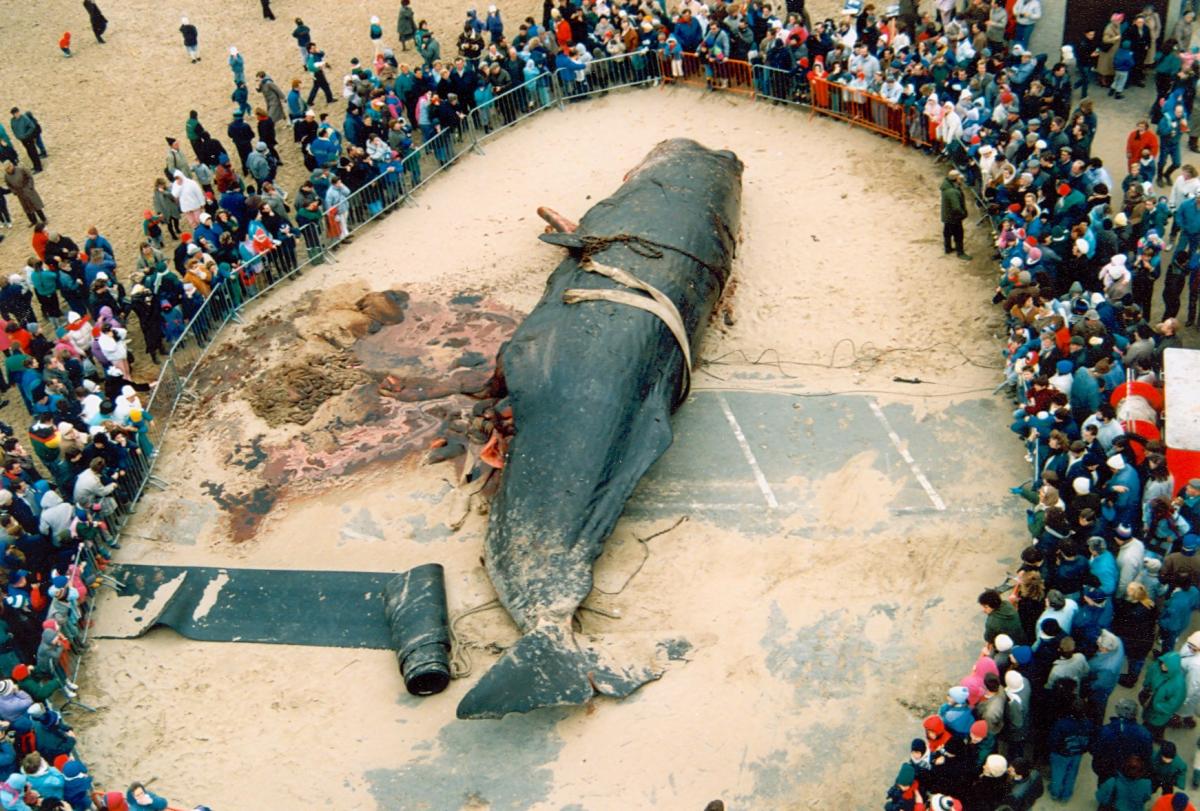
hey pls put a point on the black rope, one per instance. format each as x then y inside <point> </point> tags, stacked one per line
<point>646,248</point>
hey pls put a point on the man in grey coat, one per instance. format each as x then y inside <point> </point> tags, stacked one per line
<point>274,97</point>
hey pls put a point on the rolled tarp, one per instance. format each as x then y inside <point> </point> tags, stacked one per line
<point>415,604</point>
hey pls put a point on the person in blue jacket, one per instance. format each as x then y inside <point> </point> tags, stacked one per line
<point>1119,739</point>
<point>956,713</point>
<point>1180,599</point>
<point>494,25</point>
<point>688,32</point>
<point>78,784</point>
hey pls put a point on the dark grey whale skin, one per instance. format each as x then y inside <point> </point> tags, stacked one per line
<point>592,386</point>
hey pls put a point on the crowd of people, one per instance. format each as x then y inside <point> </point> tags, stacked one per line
<point>1105,593</point>
<point>1109,580</point>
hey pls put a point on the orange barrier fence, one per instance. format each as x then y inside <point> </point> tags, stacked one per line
<point>733,75</point>
<point>860,108</point>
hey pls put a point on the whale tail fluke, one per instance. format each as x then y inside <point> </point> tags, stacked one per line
<point>548,667</point>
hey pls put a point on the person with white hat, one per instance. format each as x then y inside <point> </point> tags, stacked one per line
<point>191,39</point>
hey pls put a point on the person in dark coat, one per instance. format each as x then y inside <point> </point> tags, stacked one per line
<point>97,19</point>
<point>266,133</point>
<point>954,211</point>
<point>149,315</point>
<point>406,26</point>
<point>1118,740</point>
<point>243,138</point>
<point>1135,621</point>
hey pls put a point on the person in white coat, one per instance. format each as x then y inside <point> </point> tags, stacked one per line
<point>1189,660</point>
<point>190,196</point>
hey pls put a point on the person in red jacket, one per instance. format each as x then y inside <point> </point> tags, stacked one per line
<point>1173,802</point>
<point>1141,138</point>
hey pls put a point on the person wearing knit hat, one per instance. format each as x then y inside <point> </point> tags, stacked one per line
<point>991,786</point>
<point>954,211</point>
<point>1168,771</point>
<point>13,702</point>
<point>955,713</point>
<point>1018,693</point>
<point>77,788</point>
<point>40,686</point>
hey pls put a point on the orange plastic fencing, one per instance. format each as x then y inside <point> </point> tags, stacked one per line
<point>732,75</point>
<point>860,108</point>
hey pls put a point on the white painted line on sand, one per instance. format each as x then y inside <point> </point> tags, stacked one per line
<point>768,494</point>
<point>912,463</point>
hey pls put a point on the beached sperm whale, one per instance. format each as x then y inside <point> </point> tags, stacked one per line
<point>593,374</point>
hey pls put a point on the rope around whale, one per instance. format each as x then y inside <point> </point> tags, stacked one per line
<point>657,305</point>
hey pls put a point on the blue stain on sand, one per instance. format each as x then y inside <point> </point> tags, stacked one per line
<point>825,653</point>
<point>503,765</point>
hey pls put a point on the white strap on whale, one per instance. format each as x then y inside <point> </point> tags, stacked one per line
<point>657,305</point>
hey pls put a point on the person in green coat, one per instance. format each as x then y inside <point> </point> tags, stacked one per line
<point>1163,693</point>
<point>1127,790</point>
<point>1168,771</point>
<point>39,687</point>
<point>954,211</point>
<point>1002,618</point>
<point>1168,67</point>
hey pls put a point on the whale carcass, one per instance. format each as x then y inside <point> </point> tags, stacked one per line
<point>592,376</point>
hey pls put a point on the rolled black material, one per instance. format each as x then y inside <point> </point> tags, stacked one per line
<point>415,603</point>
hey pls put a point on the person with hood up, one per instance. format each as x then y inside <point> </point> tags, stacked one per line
<point>260,165</point>
<point>1115,279</point>
<point>936,734</point>
<point>140,798</point>
<point>78,784</point>
<point>956,713</point>
<point>12,793</point>
<point>190,196</point>
<point>1163,692</point>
